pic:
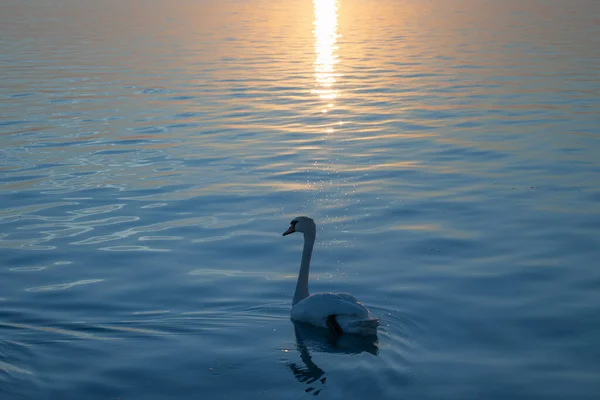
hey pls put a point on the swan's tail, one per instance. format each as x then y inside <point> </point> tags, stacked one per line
<point>365,327</point>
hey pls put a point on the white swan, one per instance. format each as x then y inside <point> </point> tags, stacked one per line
<point>338,312</point>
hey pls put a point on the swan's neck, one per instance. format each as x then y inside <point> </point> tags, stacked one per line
<point>302,285</point>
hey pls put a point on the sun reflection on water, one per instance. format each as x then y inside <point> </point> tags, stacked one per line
<point>325,32</point>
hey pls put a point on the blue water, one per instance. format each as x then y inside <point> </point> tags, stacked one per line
<point>152,153</point>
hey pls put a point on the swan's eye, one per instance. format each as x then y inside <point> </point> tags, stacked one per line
<point>293,223</point>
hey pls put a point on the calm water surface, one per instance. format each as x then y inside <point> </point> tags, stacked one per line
<point>153,152</point>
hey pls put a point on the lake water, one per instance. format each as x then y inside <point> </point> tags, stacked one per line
<point>152,153</point>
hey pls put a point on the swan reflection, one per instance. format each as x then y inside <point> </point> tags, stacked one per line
<point>311,338</point>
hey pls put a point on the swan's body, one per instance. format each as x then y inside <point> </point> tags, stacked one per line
<point>339,312</point>
<point>350,315</point>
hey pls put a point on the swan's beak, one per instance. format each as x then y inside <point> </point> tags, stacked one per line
<point>291,230</point>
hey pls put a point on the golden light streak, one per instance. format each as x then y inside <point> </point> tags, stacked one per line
<point>325,32</point>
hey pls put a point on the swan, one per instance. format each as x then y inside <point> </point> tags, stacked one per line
<point>339,312</point>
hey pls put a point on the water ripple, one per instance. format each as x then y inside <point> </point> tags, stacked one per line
<point>448,152</point>
<point>63,286</point>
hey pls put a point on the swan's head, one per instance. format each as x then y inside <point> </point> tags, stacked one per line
<point>302,224</point>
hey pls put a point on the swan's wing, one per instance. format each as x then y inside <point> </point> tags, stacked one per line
<point>347,297</point>
<point>316,308</point>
